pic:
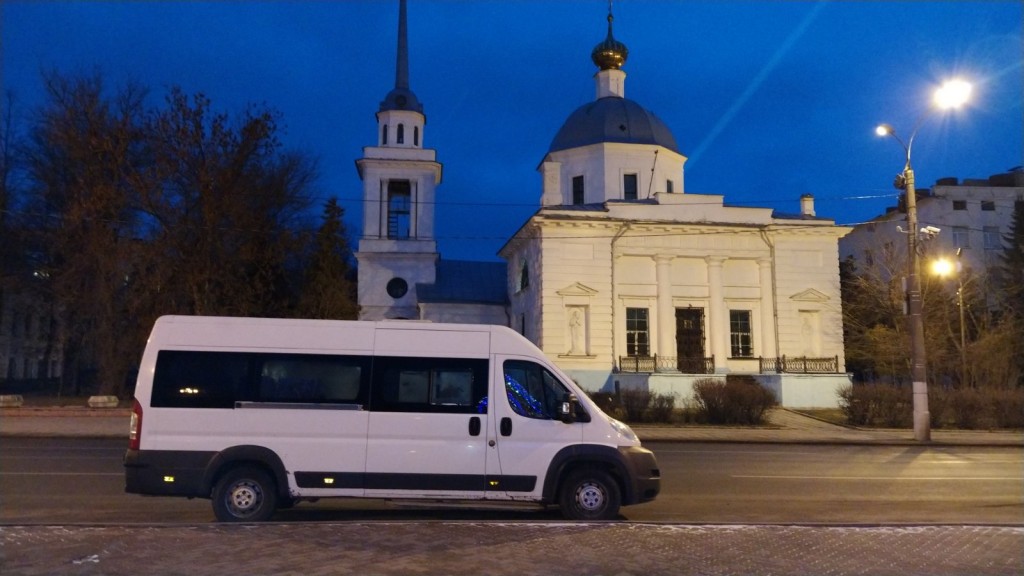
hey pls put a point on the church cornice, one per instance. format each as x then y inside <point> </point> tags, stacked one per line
<point>810,295</point>
<point>396,165</point>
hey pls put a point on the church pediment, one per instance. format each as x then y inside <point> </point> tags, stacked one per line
<point>577,289</point>
<point>810,295</point>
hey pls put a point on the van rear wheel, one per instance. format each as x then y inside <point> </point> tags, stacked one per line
<point>244,494</point>
<point>590,494</point>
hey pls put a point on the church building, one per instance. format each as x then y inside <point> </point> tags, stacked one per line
<point>620,277</point>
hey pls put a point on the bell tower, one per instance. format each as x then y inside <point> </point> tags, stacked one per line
<point>397,250</point>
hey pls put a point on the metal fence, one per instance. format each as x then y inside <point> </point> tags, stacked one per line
<point>799,365</point>
<point>648,364</point>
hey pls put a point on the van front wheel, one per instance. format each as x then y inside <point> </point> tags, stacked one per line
<point>244,494</point>
<point>590,494</point>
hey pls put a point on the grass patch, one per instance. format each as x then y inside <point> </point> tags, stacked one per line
<point>830,415</point>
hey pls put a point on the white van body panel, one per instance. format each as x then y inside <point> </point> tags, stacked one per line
<point>489,450</point>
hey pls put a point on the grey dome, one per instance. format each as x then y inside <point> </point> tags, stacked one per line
<point>401,99</point>
<point>612,119</point>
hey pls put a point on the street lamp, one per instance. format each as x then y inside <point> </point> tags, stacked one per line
<point>952,94</point>
<point>945,268</point>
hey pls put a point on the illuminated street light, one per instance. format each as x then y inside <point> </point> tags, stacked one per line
<point>952,94</point>
<point>946,268</point>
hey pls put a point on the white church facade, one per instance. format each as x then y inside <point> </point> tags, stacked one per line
<point>620,277</point>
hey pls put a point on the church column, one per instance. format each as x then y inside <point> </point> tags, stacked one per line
<point>666,313</point>
<point>768,329</point>
<point>718,321</point>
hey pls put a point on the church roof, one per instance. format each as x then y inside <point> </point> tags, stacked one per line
<point>468,282</point>
<point>402,97</point>
<point>612,119</point>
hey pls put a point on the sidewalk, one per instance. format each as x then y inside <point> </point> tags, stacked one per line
<point>784,426</point>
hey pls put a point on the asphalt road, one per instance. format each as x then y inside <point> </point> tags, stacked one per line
<point>62,481</point>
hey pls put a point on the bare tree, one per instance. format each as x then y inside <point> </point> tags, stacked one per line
<point>83,148</point>
<point>142,212</point>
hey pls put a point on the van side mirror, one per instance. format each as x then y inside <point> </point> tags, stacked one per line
<point>567,410</point>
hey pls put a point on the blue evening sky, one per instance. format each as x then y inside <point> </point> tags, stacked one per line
<point>768,99</point>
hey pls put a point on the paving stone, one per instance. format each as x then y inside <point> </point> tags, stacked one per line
<point>457,548</point>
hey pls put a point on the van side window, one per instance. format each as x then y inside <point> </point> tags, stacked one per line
<point>185,379</point>
<point>310,378</point>
<point>532,390</point>
<point>192,379</point>
<point>446,385</point>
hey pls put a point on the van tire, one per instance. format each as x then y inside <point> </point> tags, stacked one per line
<point>244,494</point>
<point>590,494</point>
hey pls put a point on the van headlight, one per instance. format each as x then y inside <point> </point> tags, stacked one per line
<point>624,430</point>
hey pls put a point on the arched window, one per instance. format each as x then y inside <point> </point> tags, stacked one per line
<point>524,277</point>
<point>400,137</point>
<point>399,209</point>
<point>416,136</point>
<point>384,135</point>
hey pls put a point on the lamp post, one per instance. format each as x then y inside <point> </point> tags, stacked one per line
<point>952,94</point>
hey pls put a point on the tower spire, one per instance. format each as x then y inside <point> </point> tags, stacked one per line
<point>401,97</point>
<point>402,64</point>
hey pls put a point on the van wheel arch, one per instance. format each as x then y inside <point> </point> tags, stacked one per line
<point>570,459</point>
<point>251,456</point>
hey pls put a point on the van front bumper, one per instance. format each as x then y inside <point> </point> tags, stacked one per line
<point>644,473</point>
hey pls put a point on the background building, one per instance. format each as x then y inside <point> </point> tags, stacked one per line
<point>621,277</point>
<point>401,274</point>
<point>972,216</point>
<point>624,279</point>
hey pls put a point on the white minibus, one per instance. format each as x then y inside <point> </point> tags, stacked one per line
<point>258,414</point>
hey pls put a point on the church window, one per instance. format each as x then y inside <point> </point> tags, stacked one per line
<point>524,277</point>
<point>637,332</point>
<point>577,190</point>
<point>400,135</point>
<point>629,186</point>
<point>415,135</point>
<point>384,135</point>
<point>741,336</point>
<point>397,287</point>
<point>399,209</point>
<point>669,186</point>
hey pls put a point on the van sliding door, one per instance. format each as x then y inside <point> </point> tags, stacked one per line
<point>428,428</point>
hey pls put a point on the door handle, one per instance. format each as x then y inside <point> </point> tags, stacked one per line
<point>474,426</point>
<point>506,426</point>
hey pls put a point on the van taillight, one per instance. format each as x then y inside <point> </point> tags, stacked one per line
<point>135,429</point>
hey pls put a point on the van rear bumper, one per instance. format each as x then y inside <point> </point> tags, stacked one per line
<point>644,473</point>
<point>166,472</point>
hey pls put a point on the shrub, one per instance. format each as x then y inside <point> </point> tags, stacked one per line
<point>732,402</point>
<point>893,406</point>
<point>968,408</point>
<point>1006,406</point>
<point>876,405</point>
<point>662,408</point>
<point>939,400</point>
<point>855,406</point>
<point>634,403</point>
